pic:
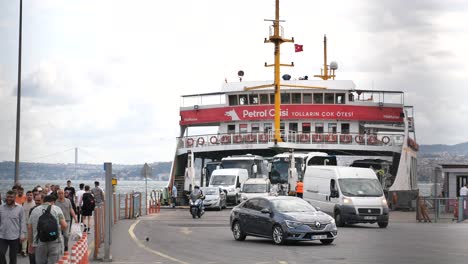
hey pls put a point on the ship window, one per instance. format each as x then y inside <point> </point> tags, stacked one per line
<point>231,129</point>
<point>329,98</point>
<point>267,127</point>
<point>305,127</point>
<point>255,127</point>
<point>243,99</point>
<point>285,98</point>
<point>233,100</point>
<point>253,99</point>
<point>272,98</point>
<point>296,98</point>
<point>345,128</point>
<point>340,98</point>
<point>307,98</point>
<point>242,128</point>
<point>293,127</point>
<point>332,128</point>
<point>318,98</point>
<point>281,126</point>
<point>318,127</point>
<point>263,98</point>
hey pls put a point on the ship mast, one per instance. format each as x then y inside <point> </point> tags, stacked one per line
<point>277,39</point>
<point>333,65</point>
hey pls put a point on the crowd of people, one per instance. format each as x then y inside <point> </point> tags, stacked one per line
<point>37,223</point>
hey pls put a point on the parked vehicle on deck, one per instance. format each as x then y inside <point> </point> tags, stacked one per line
<point>281,218</point>
<point>230,180</point>
<point>255,187</point>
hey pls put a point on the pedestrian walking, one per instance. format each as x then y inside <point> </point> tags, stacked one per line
<point>38,200</point>
<point>79,197</point>
<point>174,195</point>
<point>68,212</point>
<point>12,228</point>
<point>44,234</point>
<point>87,207</point>
<point>98,194</point>
<point>27,206</point>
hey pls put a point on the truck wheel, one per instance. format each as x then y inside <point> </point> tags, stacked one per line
<point>339,219</point>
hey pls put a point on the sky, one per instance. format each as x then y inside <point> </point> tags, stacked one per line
<point>106,76</point>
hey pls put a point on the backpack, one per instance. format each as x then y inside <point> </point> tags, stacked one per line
<point>88,201</point>
<point>47,226</point>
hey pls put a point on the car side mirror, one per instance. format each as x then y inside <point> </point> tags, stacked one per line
<point>334,194</point>
<point>238,185</point>
<point>317,208</point>
<point>254,168</point>
<point>265,211</point>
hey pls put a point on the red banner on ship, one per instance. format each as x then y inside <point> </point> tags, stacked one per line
<point>290,112</point>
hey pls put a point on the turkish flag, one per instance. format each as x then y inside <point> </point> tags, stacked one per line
<point>298,48</point>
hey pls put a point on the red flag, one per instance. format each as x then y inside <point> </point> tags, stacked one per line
<point>298,48</point>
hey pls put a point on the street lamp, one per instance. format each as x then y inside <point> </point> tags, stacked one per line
<point>18,103</point>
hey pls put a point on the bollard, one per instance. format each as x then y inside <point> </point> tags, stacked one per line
<point>126,205</point>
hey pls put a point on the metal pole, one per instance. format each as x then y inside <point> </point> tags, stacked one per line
<point>108,213</point>
<point>18,97</point>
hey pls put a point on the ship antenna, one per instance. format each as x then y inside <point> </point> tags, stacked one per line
<point>333,65</point>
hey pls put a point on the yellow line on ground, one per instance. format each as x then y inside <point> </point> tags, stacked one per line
<point>282,262</point>
<point>90,247</point>
<point>138,242</point>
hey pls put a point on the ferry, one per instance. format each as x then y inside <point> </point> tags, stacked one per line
<point>296,114</point>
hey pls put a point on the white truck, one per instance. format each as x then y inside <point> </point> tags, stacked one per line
<point>231,181</point>
<point>351,195</point>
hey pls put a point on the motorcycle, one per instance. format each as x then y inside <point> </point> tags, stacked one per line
<point>196,207</point>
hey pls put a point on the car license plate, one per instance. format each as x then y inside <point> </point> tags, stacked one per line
<point>370,217</point>
<point>319,237</point>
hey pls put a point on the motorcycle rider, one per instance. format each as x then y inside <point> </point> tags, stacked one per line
<point>197,193</point>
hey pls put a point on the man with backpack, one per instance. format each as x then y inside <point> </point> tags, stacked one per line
<point>44,228</point>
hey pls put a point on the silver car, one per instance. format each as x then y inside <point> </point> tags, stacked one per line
<point>215,198</point>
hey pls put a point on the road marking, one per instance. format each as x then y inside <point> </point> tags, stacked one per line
<point>282,262</point>
<point>185,230</point>
<point>138,242</point>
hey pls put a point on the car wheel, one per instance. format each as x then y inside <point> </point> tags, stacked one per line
<point>278,235</point>
<point>237,232</point>
<point>382,224</point>
<point>326,241</point>
<point>339,219</point>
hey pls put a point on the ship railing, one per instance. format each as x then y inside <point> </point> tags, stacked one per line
<point>210,140</point>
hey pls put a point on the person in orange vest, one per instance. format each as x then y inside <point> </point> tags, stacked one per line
<point>299,189</point>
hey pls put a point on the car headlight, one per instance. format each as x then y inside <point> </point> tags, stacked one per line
<point>384,202</point>
<point>347,201</point>
<point>293,224</point>
<point>332,221</point>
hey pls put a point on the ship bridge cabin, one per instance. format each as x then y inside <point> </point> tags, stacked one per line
<point>335,117</point>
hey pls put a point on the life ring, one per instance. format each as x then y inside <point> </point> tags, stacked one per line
<point>214,140</point>
<point>331,138</point>
<point>200,141</point>
<point>345,138</point>
<point>317,138</point>
<point>263,137</point>
<point>237,139</point>
<point>304,138</point>
<point>372,140</point>
<point>359,139</point>
<point>385,140</point>
<point>250,138</point>
<point>225,139</point>
<point>189,142</point>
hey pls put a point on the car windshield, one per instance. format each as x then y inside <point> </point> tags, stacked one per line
<point>210,191</point>
<point>361,187</point>
<point>223,180</point>
<point>254,188</point>
<point>293,205</point>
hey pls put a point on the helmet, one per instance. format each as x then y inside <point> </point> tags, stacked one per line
<point>197,187</point>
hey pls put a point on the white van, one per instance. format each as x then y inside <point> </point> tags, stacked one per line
<point>230,180</point>
<point>351,195</point>
<point>255,187</point>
